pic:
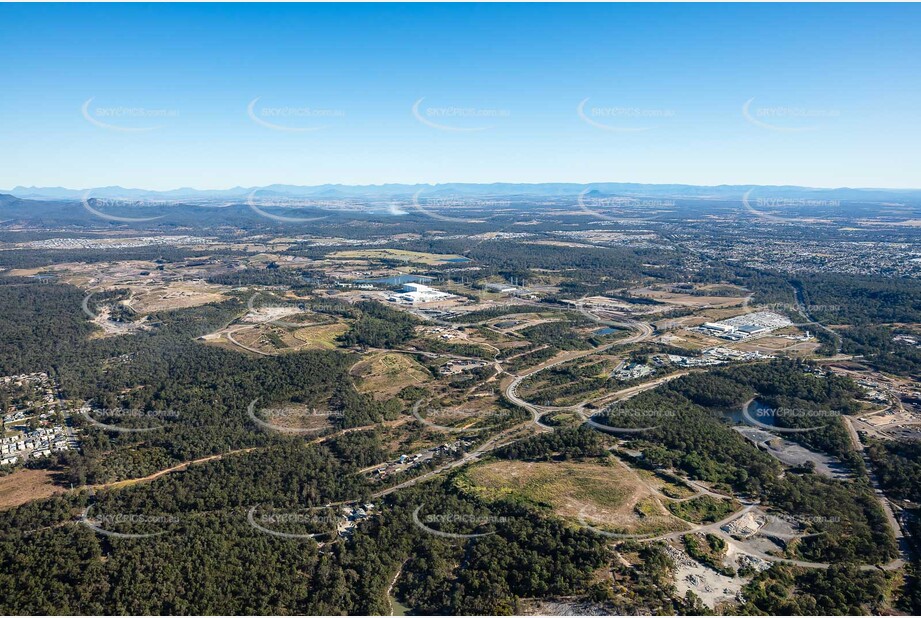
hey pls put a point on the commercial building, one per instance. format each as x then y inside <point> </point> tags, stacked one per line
<point>415,293</point>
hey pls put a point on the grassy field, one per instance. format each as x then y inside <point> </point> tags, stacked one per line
<point>609,497</point>
<point>386,374</point>
<point>25,485</point>
<point>175,295</point>
<point>703,510</point>
<point>394,254</point>
<point>321,336</point>
<point>690,300</point>
<point>297,416</point>
<point>670,488</point>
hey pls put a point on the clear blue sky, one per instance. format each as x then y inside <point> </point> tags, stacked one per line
<point>836,88</point>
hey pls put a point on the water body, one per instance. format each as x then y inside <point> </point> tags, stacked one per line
<point>458,259</point>
<point>758,410</point>
<point>605,331</point>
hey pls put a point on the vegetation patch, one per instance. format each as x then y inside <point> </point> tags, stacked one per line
<point>703,509</point>
<point>710,550</point>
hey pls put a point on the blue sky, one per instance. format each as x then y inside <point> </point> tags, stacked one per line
<point>165,96</point>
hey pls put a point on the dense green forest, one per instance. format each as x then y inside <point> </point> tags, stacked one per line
<point>205,558</point>
<point>838,590</point>
<point>379,326</point>
<point>862,301</point>
<point>878,346</point>
<point>199,394</point>
<point>807,397</point>
<point>898,467</point>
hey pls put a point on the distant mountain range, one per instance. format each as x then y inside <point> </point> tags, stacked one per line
<point>391,191</point>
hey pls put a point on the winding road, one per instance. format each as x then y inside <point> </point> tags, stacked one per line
<point>643,331</point>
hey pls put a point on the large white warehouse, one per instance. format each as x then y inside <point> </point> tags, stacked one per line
<point>414,293</point>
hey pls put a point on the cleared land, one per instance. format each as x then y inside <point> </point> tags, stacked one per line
<point>609,497</point>
<point>298,417</point>
<point>688,300</point>
<point>385,375</point>
<point>321,336</point>
<point>26,485</point>
<point>149,299</point>
<point>395,254</point>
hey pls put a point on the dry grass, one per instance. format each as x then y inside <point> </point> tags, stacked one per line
<point>393,254</point>
<point>26,485</point>
<point>610,497</point>
<point>689,300</point>
<point>386,374</point>
<point>174,296</point>
<point>297,416</point>
<point>322,336</point>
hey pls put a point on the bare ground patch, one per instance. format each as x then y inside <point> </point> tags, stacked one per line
<point>385,375</point>
<point>26,485</point>
<point>609,497</point>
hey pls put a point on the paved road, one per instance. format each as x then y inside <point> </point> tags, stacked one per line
<point>644,331</point>
<point>488,446</point>
<point>245,347</point>
<point>801,305</point>
<point>631,391</point>
<point>877,487</point>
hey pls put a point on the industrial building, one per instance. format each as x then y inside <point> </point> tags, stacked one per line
<point>716,326</point>
<point>745,325</point>
<point>415,293</point>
